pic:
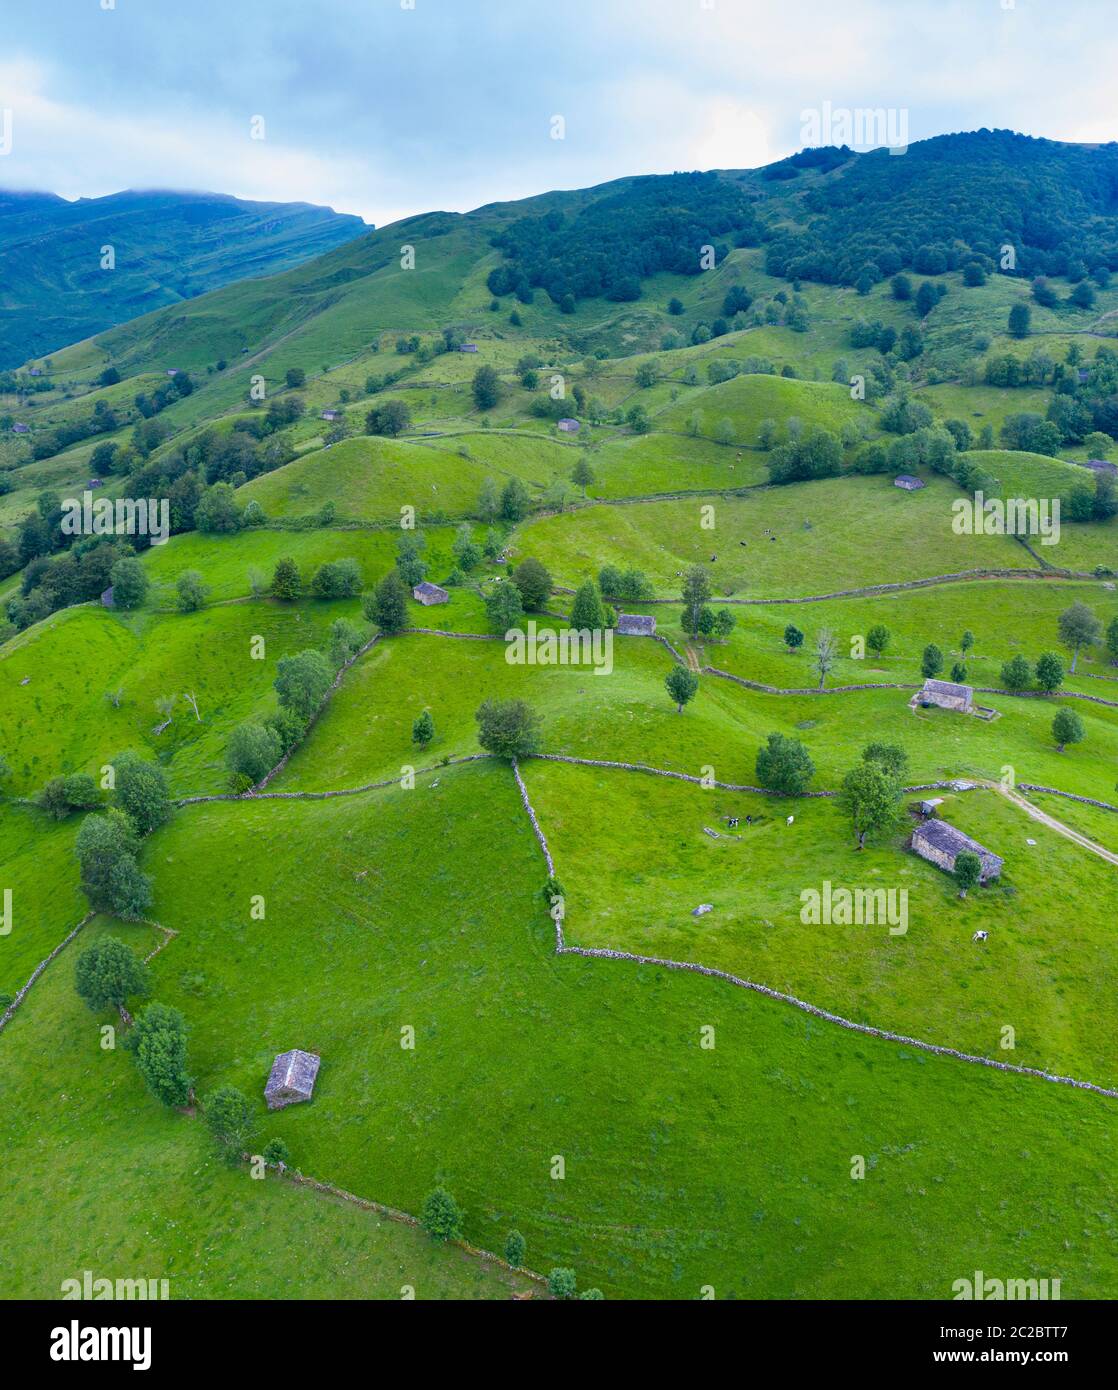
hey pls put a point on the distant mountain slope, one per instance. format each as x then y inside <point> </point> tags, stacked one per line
<point>167,246</point>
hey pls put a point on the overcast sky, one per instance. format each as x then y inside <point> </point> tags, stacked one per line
<point>391,107</point>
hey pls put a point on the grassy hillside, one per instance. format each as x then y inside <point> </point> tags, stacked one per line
<point>168,247</point>
<point>745,422</point>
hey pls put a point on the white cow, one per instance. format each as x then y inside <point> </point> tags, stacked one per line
<point>791,819</point>
<point>980,936</point>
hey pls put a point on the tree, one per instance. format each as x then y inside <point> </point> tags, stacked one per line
<point>966,641</point>
<point>1078,627</point>
<point>63,795</point>
<point>682,686</point>
<point>533,581</point>
<point>696,592</point>
<point>392,418</point>
<point>826,654</point>
<point>931,664</point>
<point>423,730</point>
<point>106,848</point>
<point>793,637</point>
<point>302,681</point>
<point>871,797</point>
<point>1017,674</point>
<point>637,419</point>
<point>1112,641</point>
<point>958,672</point>
<point>1067,727</point>
<point>158,1043</point>
<point>877,639</point>
<point>1049,672</point>
<point>387,605</point>
<point>515,1247</point>
<point>337,579</point>
<point>783,765</point>
<point>486,388</point>
<point>515,501</point>
<point>295,377</point>
<point>592,1296</point>
<point>582,475</point>
<point>109,973</point>
<point>441,1216</point>
<point>1019,318</point>
<point>129,582</point>
<point>724,623</point>
<point>968,870</point>
<point>587,611</point>
<point>228,1117</point>
<point>561,1283</point>
<point>890,756</point>
<point>345,640</point>
<point>141,791</point>
<point>252,751</point>
<point>218,511</point>
<point>192,591</point>
<point>504,607</point>
<point>508,728</point>
<point>286,583</point>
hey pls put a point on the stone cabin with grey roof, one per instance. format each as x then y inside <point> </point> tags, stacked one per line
<point>428,593</point>
<point>940,843</point>
<point>291,1079</point>
<point>636,625</point>
<point>947,695</point>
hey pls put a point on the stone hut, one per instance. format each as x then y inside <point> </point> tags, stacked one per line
<point>948,695</point>
<point>636,625</point>
<point>291,1079</point>
<point>909,482</point>
<point>428,593</point>
<point>467,347</point>
<point>19,428</point>
<point>330,415</point>
<point>569,426</point>
<point>941,843</point>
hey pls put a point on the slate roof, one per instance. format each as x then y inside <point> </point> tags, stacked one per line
<point>942,835</point>
<point>570,426</point>
<point>908,481</point>
<point>949,688</point>
<point>429,593</point>
<point>293,1072</point>
<point>636,625</point>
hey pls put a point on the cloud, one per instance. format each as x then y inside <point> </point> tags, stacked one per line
<point>374,109</point>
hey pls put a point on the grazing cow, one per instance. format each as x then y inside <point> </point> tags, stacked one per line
<point>791,819</point>
<point>980,936</point>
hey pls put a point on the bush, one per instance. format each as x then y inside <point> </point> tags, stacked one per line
<point>441,1217</point>
<point>515,1247</point>
<point>253,750</point>
<point>561,1283</point>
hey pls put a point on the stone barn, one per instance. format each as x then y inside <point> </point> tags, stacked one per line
<point>940,843</point>
<point>569,426</point>
<point>909,482</point>
<point>292,1078</point>
<point>428,593</point>
<point>635,625</point>
<point>948,695</point>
